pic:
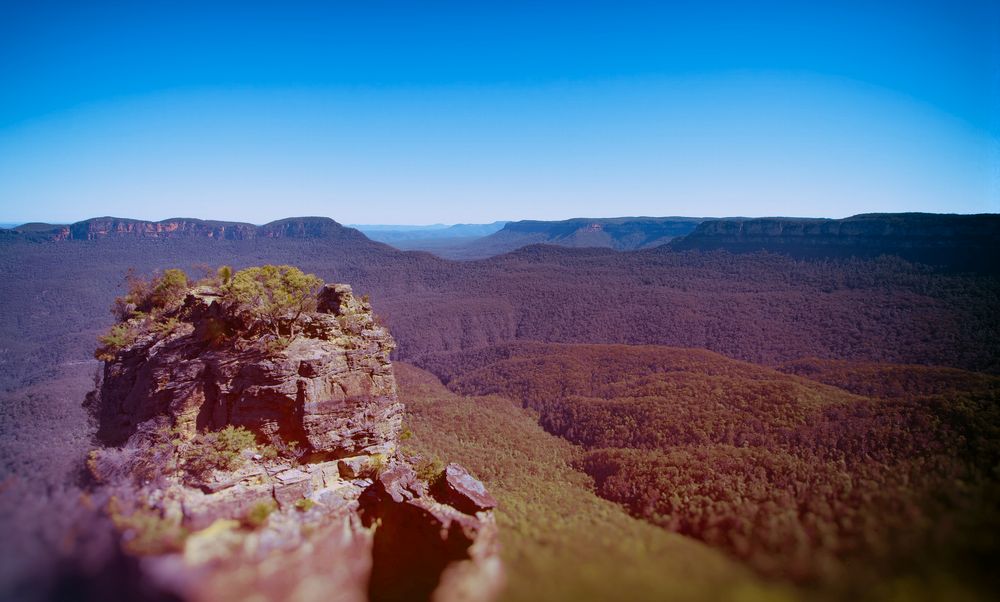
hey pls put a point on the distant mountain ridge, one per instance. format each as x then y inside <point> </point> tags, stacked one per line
<point>619,233</point>
<point>962,240</point>
<point>180,227</point>
<point>427,238</point>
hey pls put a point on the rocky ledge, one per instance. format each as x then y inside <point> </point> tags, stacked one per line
<point>238,465</point>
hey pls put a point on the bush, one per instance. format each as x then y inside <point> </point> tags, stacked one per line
<point>269,452</point>
<point>273,295</point>
<point>379,463</point>
<point>150,296</point>
<point>166,327</point>
<point>430,470</point>
<point>291,450</point>
<point>145,531</point>
<point>305,504</point>
<point>259,512</point>
<point>219,450</point>
<point>120,336</point>
<point>142,309</point>
<point>169,289</point>
<point>137,461</point>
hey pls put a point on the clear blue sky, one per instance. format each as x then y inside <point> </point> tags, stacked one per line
<point>422,112</point>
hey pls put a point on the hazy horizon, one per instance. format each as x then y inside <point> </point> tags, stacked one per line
<point>445,225</point>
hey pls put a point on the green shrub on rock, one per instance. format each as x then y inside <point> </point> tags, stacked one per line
<point>120,336</point>
<point>221,450</point>
<point>169,289</point>
<point>259,512</point>
<point>150,296</point>
<point>430,470</point>
<point>225,274</point>
<point>274,296</point>
<point>304,505</point>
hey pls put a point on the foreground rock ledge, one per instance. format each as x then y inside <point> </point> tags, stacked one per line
<point>322,505</point>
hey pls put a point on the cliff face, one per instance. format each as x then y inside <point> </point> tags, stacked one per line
<point>959,240</point>
<point>250,468</point>
<point>100,228</point>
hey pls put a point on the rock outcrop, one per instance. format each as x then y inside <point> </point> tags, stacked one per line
<point>242,466</point>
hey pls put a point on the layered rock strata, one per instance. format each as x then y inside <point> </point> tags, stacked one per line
<point>321,504</point>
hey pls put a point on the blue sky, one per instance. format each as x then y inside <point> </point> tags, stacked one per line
<point>378,112</point>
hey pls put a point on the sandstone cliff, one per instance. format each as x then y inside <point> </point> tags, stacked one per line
<point>963,241</point>
<point>101,228</point>
<point>240,467</point>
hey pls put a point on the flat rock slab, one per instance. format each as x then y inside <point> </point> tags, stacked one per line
<point>355,466</point>
<point>291,476</point>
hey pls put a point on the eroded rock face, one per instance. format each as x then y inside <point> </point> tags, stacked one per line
<point>100,228</point>
<point>449,553</point>
<point>330,389</point>
<point>341,515</point>
<point>966,241</point>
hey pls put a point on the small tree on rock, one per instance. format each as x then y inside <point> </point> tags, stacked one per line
<point>169,289</point>
<point>273,295</point>
<point>150,296</point>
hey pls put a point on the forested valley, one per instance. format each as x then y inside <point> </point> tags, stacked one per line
<point>820,426</point>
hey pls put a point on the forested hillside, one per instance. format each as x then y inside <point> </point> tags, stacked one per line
<point>800,479</point>
<point>758,307</point>
<point>620,233</point>
<point>560,541</point>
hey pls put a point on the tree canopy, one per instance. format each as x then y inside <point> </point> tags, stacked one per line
<point>274,295</point>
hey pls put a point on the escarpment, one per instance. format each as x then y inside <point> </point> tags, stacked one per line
<point>245,458</point>
<point>116,228</point>
<point>968,242</point>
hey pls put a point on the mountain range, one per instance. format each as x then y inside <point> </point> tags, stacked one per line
<point>962,241</point>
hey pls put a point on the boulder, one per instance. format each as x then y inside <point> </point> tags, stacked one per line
<point>463,491</point>
<point>291,486</point>
<point>356,467</point>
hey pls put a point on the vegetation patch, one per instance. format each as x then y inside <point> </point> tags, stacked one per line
<point>430,470</point>
<point>146,531</point>
<point>222,450</point>
<point>258,514</point>
<point>305,504</point>
<point>120,336</point>
<point>273,296</point>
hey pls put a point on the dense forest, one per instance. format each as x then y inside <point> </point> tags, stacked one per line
<point>758,307</point>
<point>803,480</point>
<point>561,542</point>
